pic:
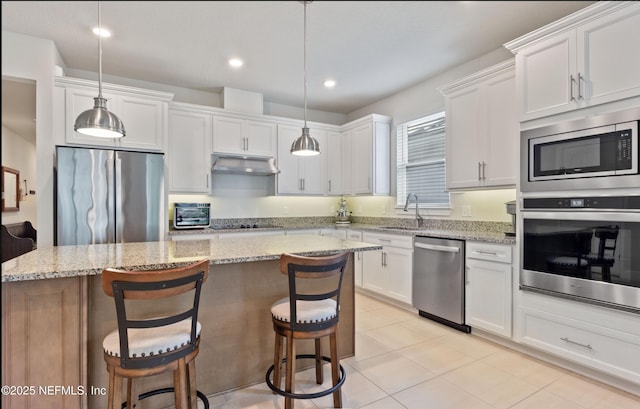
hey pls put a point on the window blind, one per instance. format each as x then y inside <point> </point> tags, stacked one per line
<point>421,161</point>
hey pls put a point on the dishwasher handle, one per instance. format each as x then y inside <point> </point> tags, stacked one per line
<point>437,247</point>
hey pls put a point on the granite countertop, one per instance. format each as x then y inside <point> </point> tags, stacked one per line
<point>471,235</point>
<point>74,261</point>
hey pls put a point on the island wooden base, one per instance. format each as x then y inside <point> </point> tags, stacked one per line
<point>237,339</point>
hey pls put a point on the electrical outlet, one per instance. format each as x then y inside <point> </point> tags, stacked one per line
<point>384,209</point>
<point>466,211</point>
<point>285,210</point>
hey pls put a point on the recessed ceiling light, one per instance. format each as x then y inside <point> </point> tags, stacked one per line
<point>329,83</point>
<point>102,32</point>
<point>236,62</point>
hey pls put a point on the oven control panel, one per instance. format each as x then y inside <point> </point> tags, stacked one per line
<point>608,202</point>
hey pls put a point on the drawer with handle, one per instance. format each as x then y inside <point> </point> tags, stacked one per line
<point>489,252</point>
<point>389,240</point>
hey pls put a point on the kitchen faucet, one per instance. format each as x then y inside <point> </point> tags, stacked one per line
<point>419,219</point>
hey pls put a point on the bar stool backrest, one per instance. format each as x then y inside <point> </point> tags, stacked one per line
<point>328,270</point>
<point>154,285</point>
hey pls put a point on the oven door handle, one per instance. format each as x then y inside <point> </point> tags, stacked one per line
<point>579,214</point>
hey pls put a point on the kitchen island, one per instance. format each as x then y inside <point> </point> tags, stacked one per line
<point>55,314</point>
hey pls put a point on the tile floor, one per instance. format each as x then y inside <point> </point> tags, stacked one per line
<point>405,361</point>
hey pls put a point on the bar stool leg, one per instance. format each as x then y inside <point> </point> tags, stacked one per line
<point>115,389</point>
<point>277,361</point>
<point>180,385</point>
<point>319,374</point>
<point>132,394</point>
<point>191,375</point>
<point>335,365</point>
<point>291,371</point>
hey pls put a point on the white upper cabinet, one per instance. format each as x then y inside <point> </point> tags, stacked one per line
<point>366,159</point>
<point>143,113</point>
<point>189,153</point>
<point>300,175</point>
<point>482,129</point>
<point>586,59</point>
<point>333,149</point>
<point>242,136</point>
<point>145,122</point>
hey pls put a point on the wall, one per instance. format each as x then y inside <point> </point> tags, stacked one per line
<point>424,99</point>
<point>20,154</point>
<point>32,58</point>
<point>413,103</point>
<point>35,59</point>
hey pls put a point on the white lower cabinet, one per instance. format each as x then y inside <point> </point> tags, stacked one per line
<point>356,235</point>
<point>389,271</point>
<point>338,234</point>
<point>488,300</point>
<point>597,337</point>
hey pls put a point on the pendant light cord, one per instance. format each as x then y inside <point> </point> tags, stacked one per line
<point>99,49</point>
<point>304,65</point>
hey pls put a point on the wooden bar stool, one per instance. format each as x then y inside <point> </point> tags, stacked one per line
<point>146,346</point>
<point>310,312</point>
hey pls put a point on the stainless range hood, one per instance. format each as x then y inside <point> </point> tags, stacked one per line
<point>243,164</point>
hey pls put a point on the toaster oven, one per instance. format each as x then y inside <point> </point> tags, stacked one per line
<point>191,215</point>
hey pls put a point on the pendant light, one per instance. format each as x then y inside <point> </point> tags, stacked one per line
<point>305,145</point>
<point>98,121</point>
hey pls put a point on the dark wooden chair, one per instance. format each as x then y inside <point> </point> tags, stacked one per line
<point>571,251</point>
<point>605,257</point>
<point>310,312</point>
<point>17,239</point>
<point>146,346</point>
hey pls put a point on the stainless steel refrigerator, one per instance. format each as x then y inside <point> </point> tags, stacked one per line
<point>108,196</point>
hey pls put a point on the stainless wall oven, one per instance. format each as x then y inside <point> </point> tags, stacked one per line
<point>585,248</point>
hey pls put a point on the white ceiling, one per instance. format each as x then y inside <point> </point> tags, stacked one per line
<point>372,49</point>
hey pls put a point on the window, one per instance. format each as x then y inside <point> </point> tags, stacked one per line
<point>421,161</point>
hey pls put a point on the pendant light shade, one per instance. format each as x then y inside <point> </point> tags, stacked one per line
<point>305,144</point>
<point>98,121</point>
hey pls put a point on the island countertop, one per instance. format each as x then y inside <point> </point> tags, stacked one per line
<point>85,260</point>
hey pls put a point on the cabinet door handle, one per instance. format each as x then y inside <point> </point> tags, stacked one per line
<point>487,253</point>
<point>303,186</point>
<point>484,167</point>
<point>329,185</point>
<point>565,339</point>
<point>479,171</point>
<point>580,81</point>
<point>572,81</point>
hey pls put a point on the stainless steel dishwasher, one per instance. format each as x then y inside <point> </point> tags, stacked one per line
<point>439,281</point>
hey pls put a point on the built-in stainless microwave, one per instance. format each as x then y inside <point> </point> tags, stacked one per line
<point>595,152</point>
<point>191,215</point>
